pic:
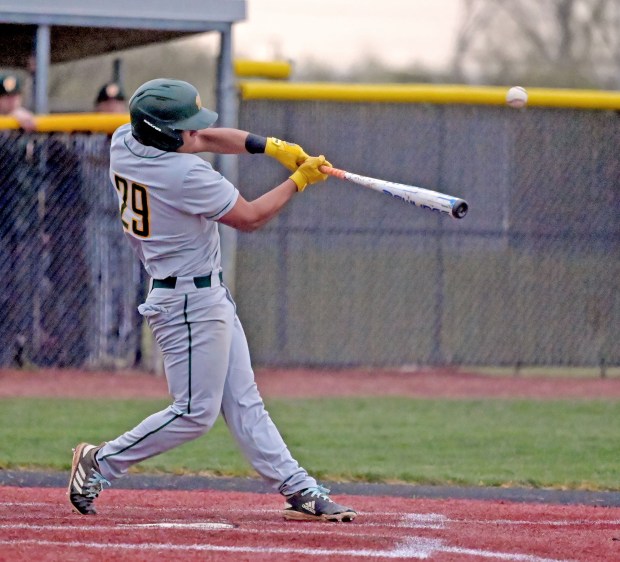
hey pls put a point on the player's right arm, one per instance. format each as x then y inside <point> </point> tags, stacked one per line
<point>251,215</point>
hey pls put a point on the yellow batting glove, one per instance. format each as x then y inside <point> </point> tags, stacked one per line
<point>288,154</point>
<point>309,173</point>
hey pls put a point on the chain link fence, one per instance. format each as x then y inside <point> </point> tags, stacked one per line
<point>70,281</point>
<point>345,276</point>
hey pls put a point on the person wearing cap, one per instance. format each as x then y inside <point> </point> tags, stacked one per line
<point>18,219</point>
<point>11,102</point>
<point>111,99</point>
<point>171,201</point>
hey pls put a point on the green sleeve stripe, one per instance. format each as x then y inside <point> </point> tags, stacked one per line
<point>220,211</point>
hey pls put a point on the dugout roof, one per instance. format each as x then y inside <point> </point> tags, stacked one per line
<point>55,31</point>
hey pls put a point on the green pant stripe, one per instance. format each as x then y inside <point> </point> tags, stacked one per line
<point>189,359</point>
<point>142,438</point>
<point>189,390</point>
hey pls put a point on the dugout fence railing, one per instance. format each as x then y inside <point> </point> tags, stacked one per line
<point>345,276</point>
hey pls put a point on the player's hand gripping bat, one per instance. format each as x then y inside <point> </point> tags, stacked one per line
<point>424,198</point>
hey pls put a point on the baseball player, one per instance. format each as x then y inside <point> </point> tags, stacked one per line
<point>170,201</point>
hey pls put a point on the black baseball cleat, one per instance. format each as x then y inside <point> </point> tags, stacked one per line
<point>313,504</point>
<point>86,482</point>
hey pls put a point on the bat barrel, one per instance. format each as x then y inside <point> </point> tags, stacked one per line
<point>418,196</point>
<point>459,209</point>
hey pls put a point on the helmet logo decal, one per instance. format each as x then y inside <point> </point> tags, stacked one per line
<point>152,125</point>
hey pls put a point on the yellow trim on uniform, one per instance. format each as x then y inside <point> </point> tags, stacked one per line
<point>425,93</point>
<point>277,70</point>
<point>72,122</point>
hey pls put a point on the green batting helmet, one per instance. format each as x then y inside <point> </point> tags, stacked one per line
<point>160,109</point>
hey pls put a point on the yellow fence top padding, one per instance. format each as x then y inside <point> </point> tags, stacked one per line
<point>72,122</point>
<point>278,70</point>
<point>379,93</point>
<point>425,93</point>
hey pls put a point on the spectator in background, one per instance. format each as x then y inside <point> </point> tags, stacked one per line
<point>19,225</point>
<point>45,314</point>
<point>11,101</point>
<point>66,292</point>
<point>111,99</point>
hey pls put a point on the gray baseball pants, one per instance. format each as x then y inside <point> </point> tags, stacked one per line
<point>208,369</point>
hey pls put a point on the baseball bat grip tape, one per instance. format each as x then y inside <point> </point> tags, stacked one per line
<point>335,172</point>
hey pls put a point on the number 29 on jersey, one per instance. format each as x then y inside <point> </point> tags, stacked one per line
<point>134,206</point>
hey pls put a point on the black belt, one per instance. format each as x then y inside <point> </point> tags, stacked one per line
<point>171,282</point>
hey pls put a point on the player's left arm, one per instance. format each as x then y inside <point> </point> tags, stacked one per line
<point>250,215</point>
<point>235,141</point>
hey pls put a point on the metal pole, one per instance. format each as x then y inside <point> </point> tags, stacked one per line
<point>117,72</point>
<point>41,77</point>
<point>437,354</point>
<point>227,163</point>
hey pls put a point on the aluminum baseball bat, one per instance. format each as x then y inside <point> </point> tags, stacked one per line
<point>418,196</point>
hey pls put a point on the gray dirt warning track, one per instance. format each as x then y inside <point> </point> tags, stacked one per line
<point>188,482</point>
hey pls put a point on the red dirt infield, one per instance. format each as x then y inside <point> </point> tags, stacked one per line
<point>37,524</point>
<point>308,383</point>
<point>145,525</point>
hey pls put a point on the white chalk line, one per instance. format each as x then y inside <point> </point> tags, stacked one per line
<point>25,504</point>
<point>321,529</point>
<point>201,526</point>
<point>409,520</point>
<point>366,531</point>
<point>431,545</point>
<point>426,547</point>
<point>424,521</point>
<point>545,523</point>
<point>261,527</point>
<point>438,521</point>
<point>400,552</point>
<point>412,547</point>
<point>417,548</point>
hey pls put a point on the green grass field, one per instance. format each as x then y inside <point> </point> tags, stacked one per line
<point>559,444</point>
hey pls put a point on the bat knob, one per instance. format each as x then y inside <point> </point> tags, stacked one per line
<point>459,209</point>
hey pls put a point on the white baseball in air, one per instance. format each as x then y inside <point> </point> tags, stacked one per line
<point>516,97</point>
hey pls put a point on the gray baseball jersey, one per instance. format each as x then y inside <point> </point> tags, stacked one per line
<point>169,201</point>
<point>169,204</point>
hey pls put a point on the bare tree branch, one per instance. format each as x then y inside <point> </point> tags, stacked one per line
<point>567,42</point>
